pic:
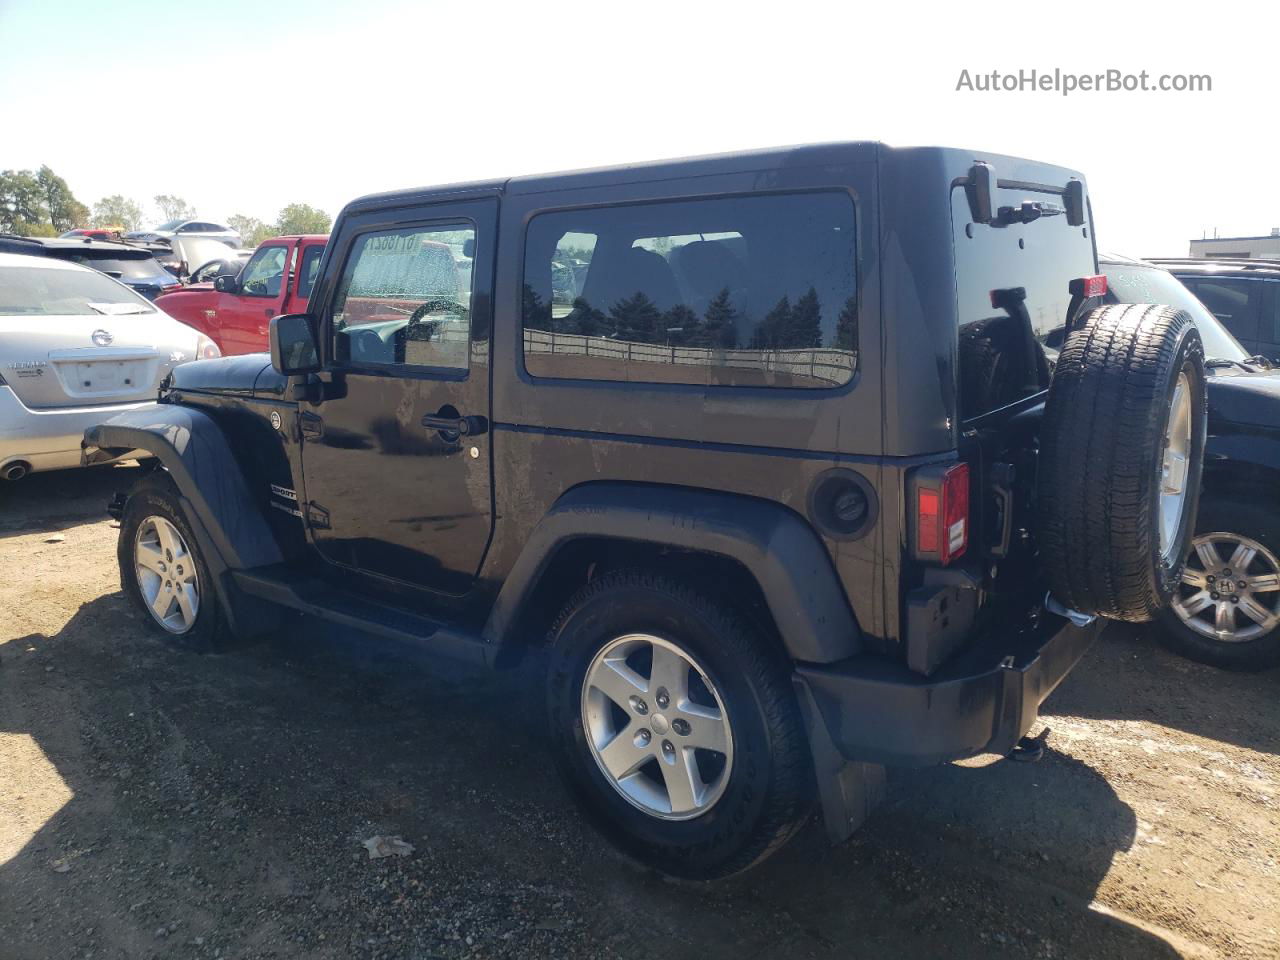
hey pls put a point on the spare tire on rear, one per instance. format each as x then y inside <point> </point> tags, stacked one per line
<point>1122,445</point>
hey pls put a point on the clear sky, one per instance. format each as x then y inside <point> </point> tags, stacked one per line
<point>243,107</point>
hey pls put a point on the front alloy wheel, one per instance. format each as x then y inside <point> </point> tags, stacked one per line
<point>167,577</point>
<point>657,727</point>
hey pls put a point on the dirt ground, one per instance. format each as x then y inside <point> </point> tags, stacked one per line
<point>155,803</point>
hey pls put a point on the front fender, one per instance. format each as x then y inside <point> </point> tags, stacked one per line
<point>192,447</point>
<point>775,545</point>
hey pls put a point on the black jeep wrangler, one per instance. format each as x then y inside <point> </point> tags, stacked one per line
<point>793,465</point>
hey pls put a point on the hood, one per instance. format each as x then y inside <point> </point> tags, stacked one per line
<point>247,375</point>
<point>1245,397</point>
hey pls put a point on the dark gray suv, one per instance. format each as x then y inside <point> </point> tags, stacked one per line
<point>790,465</point>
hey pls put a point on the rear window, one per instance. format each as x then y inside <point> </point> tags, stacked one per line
<point>128,268</point>
<point>1131,283</point>
<point>1012,298</point>
<point>49,291</point>
<point>726,291</point>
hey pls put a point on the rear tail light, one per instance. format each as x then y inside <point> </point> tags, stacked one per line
<point>206,349</point>
<point>1095,286</point>
<point>941,495</point>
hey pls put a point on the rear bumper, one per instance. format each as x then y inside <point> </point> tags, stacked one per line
<point>48,439</point>
<point>983,702</point>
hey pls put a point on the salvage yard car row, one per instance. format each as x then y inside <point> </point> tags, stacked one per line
<point>778,511</point>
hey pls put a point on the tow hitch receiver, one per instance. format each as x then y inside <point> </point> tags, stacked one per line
<point>1030,749</point>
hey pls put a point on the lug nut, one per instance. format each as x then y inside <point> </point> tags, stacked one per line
<point>638,705</point>
<point>1235,599</point>
<point>1211,579</point>
<point>1226,571</point>
<point>663,698</point>
<point>1213,596</point>
<point>681,727</point>
<point>1241,584</point>
<point>643,737</point>
<point>668,748</point>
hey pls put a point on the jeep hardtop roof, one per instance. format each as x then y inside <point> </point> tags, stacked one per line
<point>950,162</point>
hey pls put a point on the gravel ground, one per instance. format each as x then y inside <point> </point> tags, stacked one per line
<point>155,803</point>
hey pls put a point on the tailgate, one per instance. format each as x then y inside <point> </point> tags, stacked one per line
<point>90,376</point>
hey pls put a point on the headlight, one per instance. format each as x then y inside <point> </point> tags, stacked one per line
<point>206,349</point>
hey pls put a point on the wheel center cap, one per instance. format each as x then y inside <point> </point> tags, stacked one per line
<point>660,724</point>
<point>1225,585</point>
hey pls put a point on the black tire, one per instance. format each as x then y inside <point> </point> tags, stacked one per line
<point>156,496</point>
<point>1251,523</point>
<point>767,790</point>
<point>1102,451</point>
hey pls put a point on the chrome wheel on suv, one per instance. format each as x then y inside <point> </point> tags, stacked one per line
<point>657,727</point>
<point>1230,589</point>
<point>166,574</point>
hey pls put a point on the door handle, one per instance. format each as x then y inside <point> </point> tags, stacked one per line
<point>451,428</point>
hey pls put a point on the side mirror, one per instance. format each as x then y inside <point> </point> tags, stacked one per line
<point>226,284</point>
<point>295,347</point>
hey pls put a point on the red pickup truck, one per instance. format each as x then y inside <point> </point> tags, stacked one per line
<point>235,312</point>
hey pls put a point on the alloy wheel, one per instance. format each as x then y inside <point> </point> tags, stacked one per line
<point>1230,589</point>
<point>1174,468</point>
<point>657,727</point>
<point>166,575</point>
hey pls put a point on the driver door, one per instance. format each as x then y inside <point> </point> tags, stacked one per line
<point>395,489</point>
<point>244,318</point>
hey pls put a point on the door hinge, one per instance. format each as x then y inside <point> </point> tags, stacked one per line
<point>310,425</point>
<point>317,517</point>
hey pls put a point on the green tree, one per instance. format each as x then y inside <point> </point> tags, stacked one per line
<point>719,328</point>
<point>116,211</point>
<point>301,218</point>
<point>805,328</point>
<point>22,205</point>
<point>244,225</point>
<point>772,331</point>
<point>173,207</point>
<point>65,211</point>
<point>637,318</point>
<point>847,326</point>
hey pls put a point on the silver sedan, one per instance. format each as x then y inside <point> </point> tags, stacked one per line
<point>76,347</point>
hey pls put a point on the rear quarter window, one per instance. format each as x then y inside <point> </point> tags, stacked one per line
<point>725,291</point>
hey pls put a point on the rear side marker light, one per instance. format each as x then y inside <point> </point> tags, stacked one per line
<point>942,512</point>
<point>1095,286</point>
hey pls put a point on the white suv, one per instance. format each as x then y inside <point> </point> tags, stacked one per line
<point>75,346</point>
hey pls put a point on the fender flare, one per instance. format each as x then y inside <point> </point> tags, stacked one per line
<point>774,544</point>
<point>193,448</point>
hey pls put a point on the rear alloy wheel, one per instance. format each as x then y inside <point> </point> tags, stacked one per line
<point>1226,610</point>
<point>662,738</point>
<point>674,723</point>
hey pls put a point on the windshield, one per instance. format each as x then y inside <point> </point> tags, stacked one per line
<point>128,268</point>
<point>53,291</point>
<point>171,225</point>
<point>1135,283</point>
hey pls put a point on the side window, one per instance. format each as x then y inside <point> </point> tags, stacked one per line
<point>405,298</point>
<point>733,291</point>
<point>263,273</point>
<point>1236,302</point>
<point>307,271</point>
